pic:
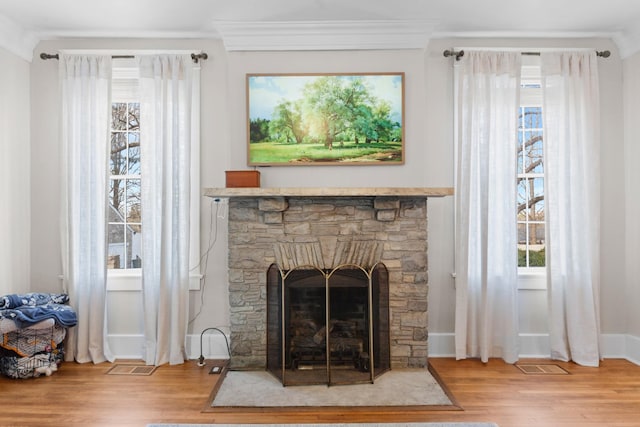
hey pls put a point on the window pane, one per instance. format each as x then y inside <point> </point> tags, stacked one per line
<point>523,198</point>
<point>116,200</point>
<point>134,114</point>
<point>119,116</point>
<point>522,256</point>
<point>522,245</point>
<point>522,234</point>
<point>116,246</point>
<point>117,161</point>
<point>135,237</point>
<point>533,155</point>
<point>128,246</point>
<point>536,234</point>
<point>536,204</point>
<point>536,245</point>
<point>537,258</point>
<point>133,201</point>
<point>134,153</point>
<point>533,117</point>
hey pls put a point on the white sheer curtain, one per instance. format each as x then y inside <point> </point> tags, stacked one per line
<point>165,143</point>
<point>572,192</point>
<point>85,85</point>
<point>487,98</point>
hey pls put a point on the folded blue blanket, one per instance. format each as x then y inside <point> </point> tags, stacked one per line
<point>26,316</point>
<point>32,299</point>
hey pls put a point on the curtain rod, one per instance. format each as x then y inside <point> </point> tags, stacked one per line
<point>459,54</point>
<point>194,56</point>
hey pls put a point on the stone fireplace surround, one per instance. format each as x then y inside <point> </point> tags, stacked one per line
<point>394,218</point>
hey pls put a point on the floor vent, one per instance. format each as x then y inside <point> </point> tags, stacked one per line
<point>120,369</point>
<point>542,369</point>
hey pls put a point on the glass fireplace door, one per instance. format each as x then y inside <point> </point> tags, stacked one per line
<point>323,326</point>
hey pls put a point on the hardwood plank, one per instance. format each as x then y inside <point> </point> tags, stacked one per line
<point>84,395</point>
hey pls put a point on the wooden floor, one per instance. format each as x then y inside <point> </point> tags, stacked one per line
<point>83,395</point>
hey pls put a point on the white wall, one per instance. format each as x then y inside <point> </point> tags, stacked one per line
<point>429,162</point>
<point>14,174</point>
<point>632,180</point>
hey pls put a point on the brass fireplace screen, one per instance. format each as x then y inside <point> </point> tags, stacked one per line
<point>328,326</point>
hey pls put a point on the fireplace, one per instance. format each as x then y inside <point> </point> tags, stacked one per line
<point>327,227</point>
<point>328,326</point>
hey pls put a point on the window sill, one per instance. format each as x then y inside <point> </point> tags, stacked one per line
<point>131,281</point>
<point>532,280</point>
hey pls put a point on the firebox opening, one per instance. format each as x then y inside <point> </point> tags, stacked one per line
<point>328,326</point>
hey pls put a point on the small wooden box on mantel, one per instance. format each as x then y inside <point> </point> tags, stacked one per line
<point>236,179</point>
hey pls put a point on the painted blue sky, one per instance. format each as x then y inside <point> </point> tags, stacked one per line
<point>265,92</point>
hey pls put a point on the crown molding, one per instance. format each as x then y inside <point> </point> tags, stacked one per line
<point>521,34</point>
<point>324,35</point>
<point>628,41</point>
<point>16,39</point>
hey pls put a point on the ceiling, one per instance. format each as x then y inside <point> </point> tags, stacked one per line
<point>243,22</point>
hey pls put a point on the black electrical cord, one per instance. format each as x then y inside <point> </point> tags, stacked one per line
<point>201,358</point>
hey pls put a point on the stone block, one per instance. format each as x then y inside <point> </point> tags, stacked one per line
<point>386,215</point>
<point>416,261</point>
<point>420,334</point>
<point>417,305</point>
<point>383,203</point>
<point>414,319</point>
<point>302,228</point>
<point>276,204</point>
<point>273,217</point>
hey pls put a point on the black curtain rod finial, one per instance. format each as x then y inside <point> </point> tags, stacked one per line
<point>447,53</point>
<point>198,56</point>
<point>49,56</point>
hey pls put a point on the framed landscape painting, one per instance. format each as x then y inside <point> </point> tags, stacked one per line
<point>325,119</point>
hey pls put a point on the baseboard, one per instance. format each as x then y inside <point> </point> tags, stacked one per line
<point>531,345</point>
<point>126,346</point>
<point>214,346</point>
<point>632,345</point>
<point>614,346</point>
<point>441,344</point>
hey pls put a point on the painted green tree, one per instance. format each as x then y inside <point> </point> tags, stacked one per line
<point>287,124</point>
<point>332,108</point>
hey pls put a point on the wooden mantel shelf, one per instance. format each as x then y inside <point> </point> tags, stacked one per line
<point>329,192</point>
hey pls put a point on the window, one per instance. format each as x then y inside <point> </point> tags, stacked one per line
<point>124,221</point>
<point>124,227</point>
<point>124,257</point>
<point>530,168</point>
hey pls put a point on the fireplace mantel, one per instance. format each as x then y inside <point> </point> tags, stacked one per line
<point>259,192</point>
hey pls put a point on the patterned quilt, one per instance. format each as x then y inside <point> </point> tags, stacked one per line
<point>28,309</point>
<point>32,299</point>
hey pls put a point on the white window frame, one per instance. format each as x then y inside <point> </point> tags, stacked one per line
<point>126,69</point>
<point>531,278</point>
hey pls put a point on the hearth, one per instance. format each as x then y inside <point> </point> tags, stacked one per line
<point>328,326</point>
